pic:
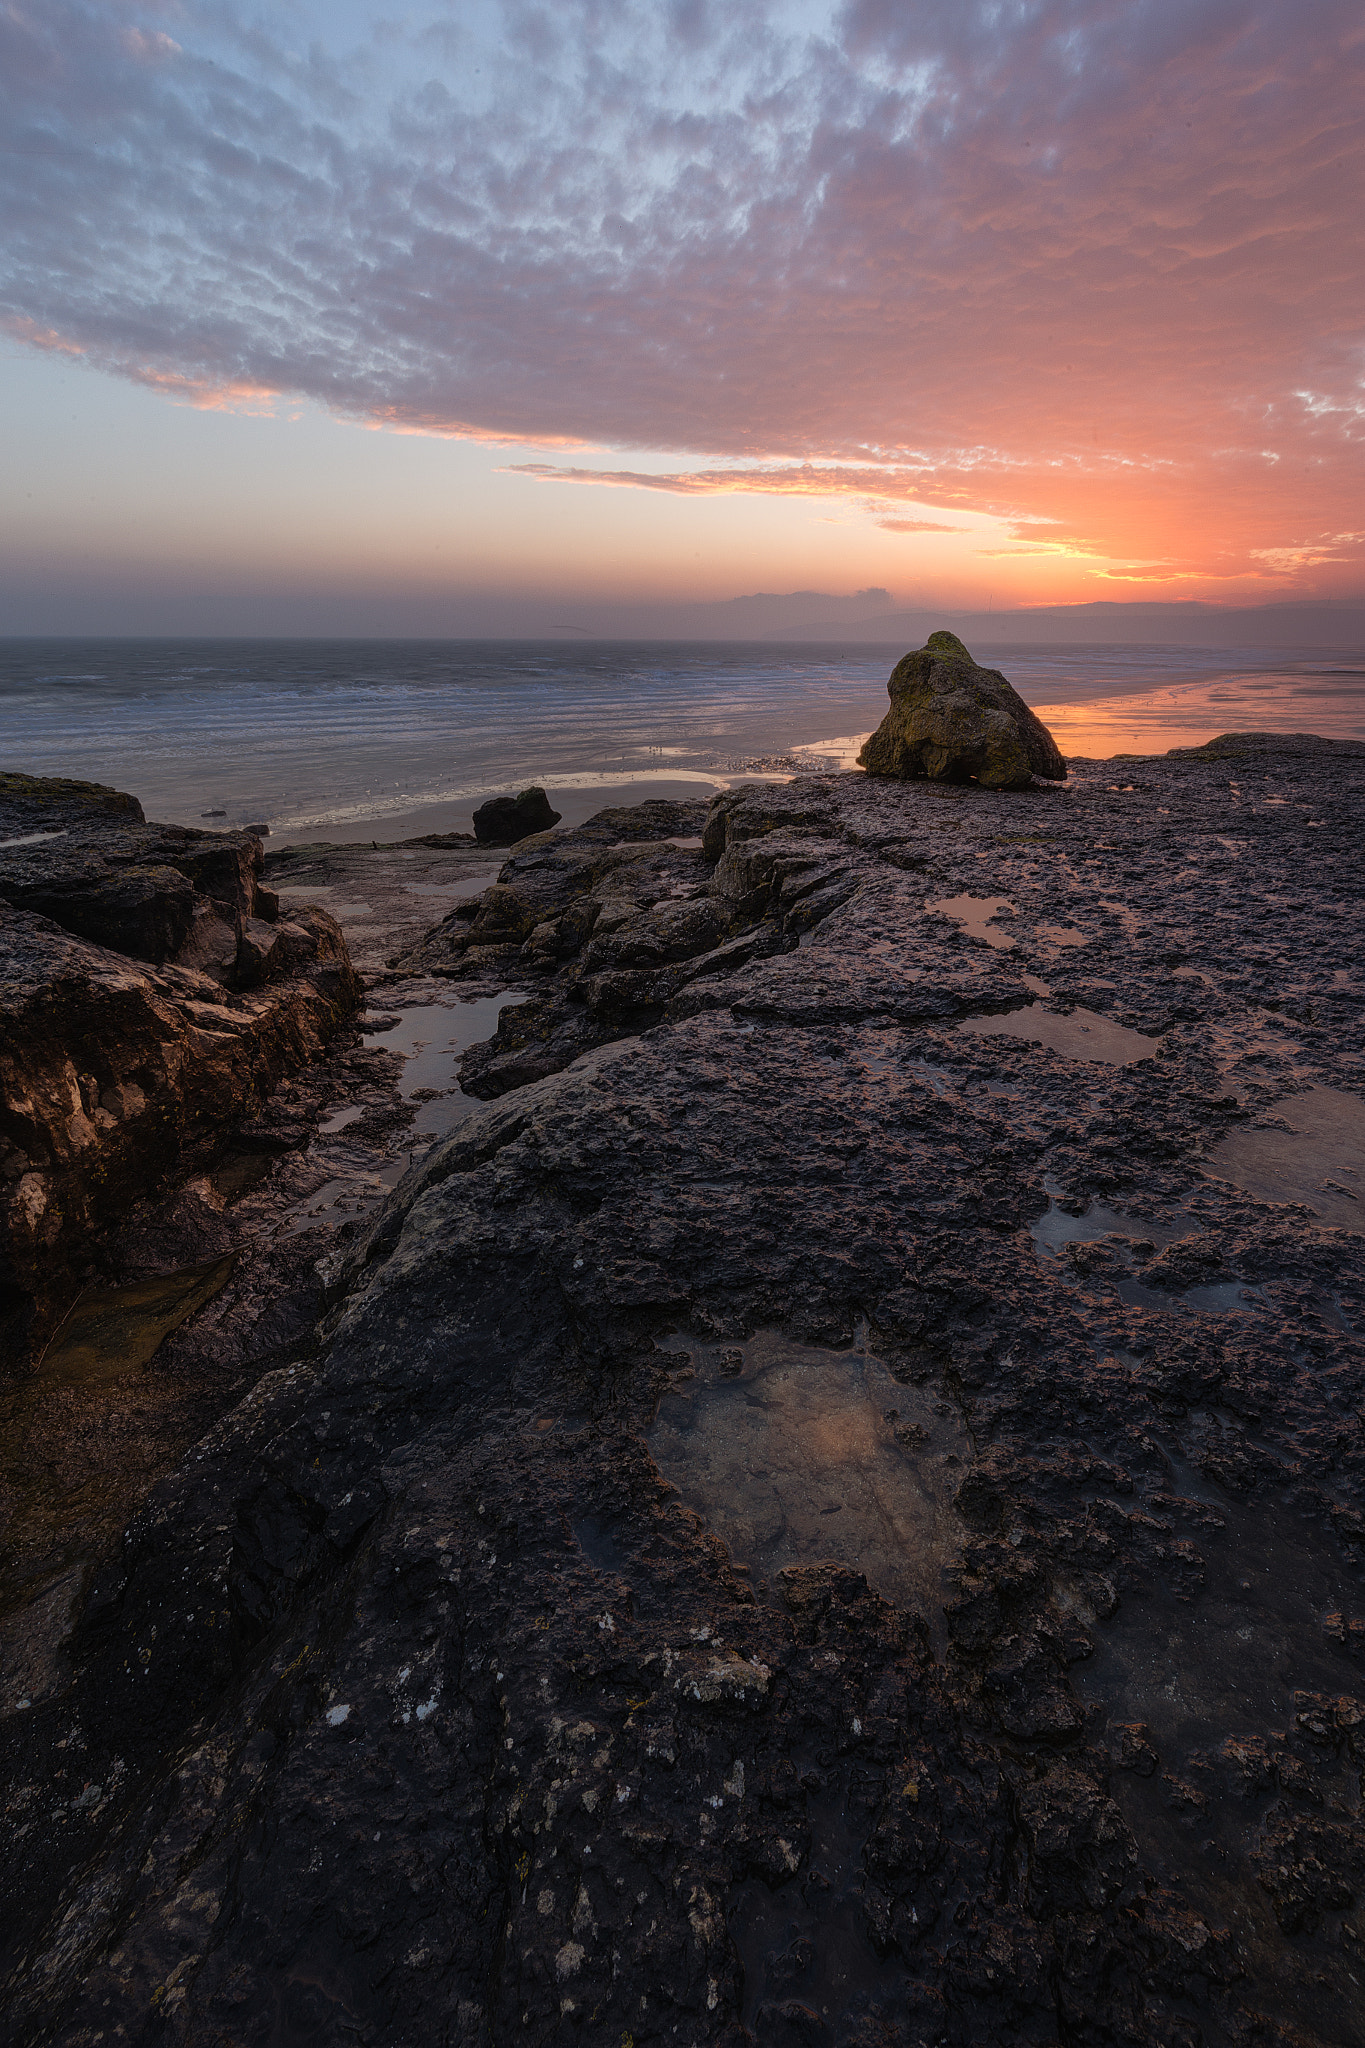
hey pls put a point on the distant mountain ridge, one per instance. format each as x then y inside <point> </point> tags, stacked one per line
<point>810,615</point>
<point>1179,625</point>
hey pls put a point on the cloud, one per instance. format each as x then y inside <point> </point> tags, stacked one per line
<point>799,480</point>
<point>917,526</point>
<point>149,46</point>
<point>1067,260</point>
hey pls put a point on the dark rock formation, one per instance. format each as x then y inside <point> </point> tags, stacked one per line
<point>84,856</point>
<point>418,1705</point>
<point>954,721</point>
<point>503,820</point>
<point>111,1067</point>
<point>1282,746</point>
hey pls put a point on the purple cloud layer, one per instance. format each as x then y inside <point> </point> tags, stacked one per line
<point>1096,261</point>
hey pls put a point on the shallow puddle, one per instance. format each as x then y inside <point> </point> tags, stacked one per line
<point>1223,1297</point>
<point>341,1119</point>
<point>1319,1160</point>
<point>796,1455</point>
<point>974,914</point>
<point>1051,1231</point>
<point>118,1330</point>
<point>348,1196</point>
<point>1081,1035</point>
<point>430,1038</point>
<point>1056,1228</point>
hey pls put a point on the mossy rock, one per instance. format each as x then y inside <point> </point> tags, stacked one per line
<point>953,721</point>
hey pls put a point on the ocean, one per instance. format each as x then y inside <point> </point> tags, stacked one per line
<point>342,739</point>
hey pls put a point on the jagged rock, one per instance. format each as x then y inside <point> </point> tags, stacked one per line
<point>110,1069</point>
<point>440,839</point>
<point>103,873</point>
<point>954,721</point>
<point>503,820</point>
<point>150,996</point>
<point>49,804</point>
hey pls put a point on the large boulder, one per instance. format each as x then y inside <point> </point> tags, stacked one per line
<point>503,820</point>
<point>954,721</point>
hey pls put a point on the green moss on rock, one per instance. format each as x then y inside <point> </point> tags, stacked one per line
<point>954,721</point>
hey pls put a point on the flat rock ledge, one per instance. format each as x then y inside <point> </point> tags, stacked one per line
<point>487,1676</point>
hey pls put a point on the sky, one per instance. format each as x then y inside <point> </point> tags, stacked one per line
<point>503,316</point>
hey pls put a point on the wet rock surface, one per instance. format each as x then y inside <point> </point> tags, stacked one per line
<point>424,1701</point>
<point>954,721</point>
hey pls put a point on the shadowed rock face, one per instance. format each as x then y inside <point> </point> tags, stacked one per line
<point>84,856</point>
<point>953,721</point>
<point>151,995</point>
<point>503,820</point>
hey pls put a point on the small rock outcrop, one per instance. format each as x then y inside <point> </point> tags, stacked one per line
<point>1286,746</point>
<point>954,721</point>
<point>503,820</point>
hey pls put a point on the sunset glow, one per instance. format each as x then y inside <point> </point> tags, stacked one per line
<point>1041,304</point>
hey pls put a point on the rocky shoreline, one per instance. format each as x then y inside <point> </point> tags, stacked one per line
<point>829,1511</point>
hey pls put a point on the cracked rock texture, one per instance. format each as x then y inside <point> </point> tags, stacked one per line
<point>151,996</point>
<point>419,1705</point>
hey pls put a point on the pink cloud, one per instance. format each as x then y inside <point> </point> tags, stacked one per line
<point>1091,264</point>
<point>917,526</point>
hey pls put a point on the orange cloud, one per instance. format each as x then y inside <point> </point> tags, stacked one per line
<point>1087,267</point>
<point>206,394</point>
<point>34,336</point>
<point>918,526</point>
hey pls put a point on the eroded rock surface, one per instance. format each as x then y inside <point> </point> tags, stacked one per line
<point>151,997</point>
<point>417,1705</point>
<point>954,721</point>
<point>84,856</point>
